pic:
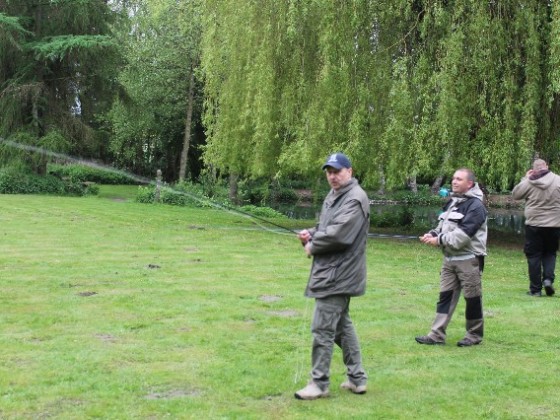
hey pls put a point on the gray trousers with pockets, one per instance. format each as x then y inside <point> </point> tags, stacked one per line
<point>332,324</point>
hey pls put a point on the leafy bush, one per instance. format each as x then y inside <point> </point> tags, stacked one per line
<point>145,195</point>
<point>253,191</point>
<point>208,185</point>
<point>403,217</point>
<point>184,194</point>
<point>174,197</point>
<point>263,192</point>
<point>281,195</point>
<point>262,211</point>
<point>187,194</point>
<point>423,197</point>
<point>18,181</point>
<point>82,173</point>
<point>301,184</point>
<point>412,199</point>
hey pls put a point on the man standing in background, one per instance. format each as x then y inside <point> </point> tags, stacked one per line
<point>461,234</point>
<point>540,188</point>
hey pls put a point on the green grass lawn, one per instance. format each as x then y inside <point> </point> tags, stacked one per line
<point>118,192</point>
<point>114,309</point>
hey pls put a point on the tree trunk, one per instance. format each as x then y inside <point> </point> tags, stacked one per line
<point>233,188</point>
<point>188,123</point>
<point>437,184</point>
<point>383,182</point>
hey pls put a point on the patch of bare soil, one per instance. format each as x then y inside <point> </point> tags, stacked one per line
<point>269,298</point>
<point>107,338</point>
<point>86,294</point>
<point>173,393</point>
<point>288,313</point>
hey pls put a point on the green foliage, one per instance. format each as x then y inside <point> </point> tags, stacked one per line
<point>253,191</point>
<point>57,65</point>
<point>145,195</point>
<point>420,199</point>
<point>262,211</point>
<point>262,191</point>
<point>81,173</point>
<point>182,194</point>
<point>176,198</point>
<point>402,217</point>
<point>406,89</point>
<point>424,197</point>
<point>282,195</point>
<point>192,195</point>
<point>11,25</point>
<point>58,47</point>
<point>14,180</point>
<point>208,184</point>
<point>148,123</point>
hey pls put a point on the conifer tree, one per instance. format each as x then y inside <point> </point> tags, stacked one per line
<point>57,61</point>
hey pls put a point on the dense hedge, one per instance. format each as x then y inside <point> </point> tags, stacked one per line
<point>81,173</point>
<point>187,194</point>
<point>18,181</point>
<point>402,217</point>
<point>182,194</point>
<point>261,192</point>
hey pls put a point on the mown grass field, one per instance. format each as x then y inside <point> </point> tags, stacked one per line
<point>113,309</point>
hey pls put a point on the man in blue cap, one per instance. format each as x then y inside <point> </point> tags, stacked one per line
<point>338,272</point>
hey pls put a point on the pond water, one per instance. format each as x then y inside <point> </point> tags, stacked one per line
<point>506,220</point>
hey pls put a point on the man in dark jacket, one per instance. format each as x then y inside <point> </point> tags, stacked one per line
<point>540,188</point>
<point>461,234</point>
<point>338,245</point>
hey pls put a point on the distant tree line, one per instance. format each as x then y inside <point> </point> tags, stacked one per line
<point>409,90</point>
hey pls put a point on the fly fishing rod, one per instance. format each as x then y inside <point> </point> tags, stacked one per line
<point>139,179</point>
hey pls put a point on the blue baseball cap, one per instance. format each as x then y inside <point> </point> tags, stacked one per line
<point>337,161</point>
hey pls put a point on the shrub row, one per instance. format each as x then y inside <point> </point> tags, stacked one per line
<point>403,217</point>
<point>186,194</point>
<point>17,181</point>
<point>81,173</point>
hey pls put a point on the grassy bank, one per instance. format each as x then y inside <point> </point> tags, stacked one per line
<point>114,309</point>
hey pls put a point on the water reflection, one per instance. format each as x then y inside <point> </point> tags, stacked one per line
<point>506,220</point>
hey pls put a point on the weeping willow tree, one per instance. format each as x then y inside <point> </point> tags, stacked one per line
<point>290,82</point>
<point>56,72</point>
<point>410,90</point>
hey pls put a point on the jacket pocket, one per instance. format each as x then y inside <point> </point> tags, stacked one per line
<point>323,277</point>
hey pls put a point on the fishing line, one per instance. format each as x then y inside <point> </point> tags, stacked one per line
<point>144,180</point>
<point>259,221</point>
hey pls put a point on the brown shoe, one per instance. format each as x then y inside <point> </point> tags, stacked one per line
<point>311,392</point>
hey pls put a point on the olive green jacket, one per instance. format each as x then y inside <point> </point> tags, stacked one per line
<point>338,244</point>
